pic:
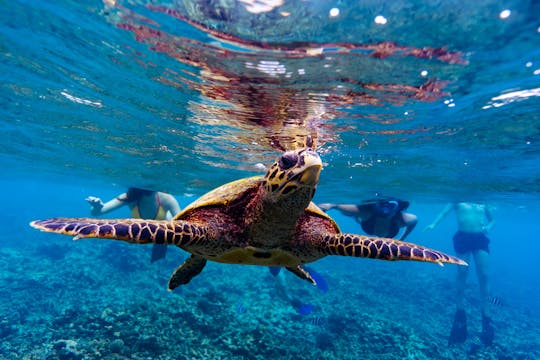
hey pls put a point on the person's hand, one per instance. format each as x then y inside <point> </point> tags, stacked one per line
<point>429,227</point>
<point>325,207</point>
<point>95,203</point>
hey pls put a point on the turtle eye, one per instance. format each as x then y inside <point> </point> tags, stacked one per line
<point>287,161</point>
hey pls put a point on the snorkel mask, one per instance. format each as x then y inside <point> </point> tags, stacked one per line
<point>387,208</point>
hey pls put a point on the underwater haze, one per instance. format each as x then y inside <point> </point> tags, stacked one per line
<point>433,102</point>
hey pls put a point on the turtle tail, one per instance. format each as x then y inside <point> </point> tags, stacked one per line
<point>383,249</point>
<point>131,230</point>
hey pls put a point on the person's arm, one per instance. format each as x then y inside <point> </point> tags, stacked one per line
<point>97,207</point>
<point>346,209</point>
<point>170,205</point>
<point>439,217</point>
<point>410,221</point>
<point>489,217</point>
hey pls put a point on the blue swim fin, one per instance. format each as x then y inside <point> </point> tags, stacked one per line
<point>301,308</point>
<point>274,270</point>
<point>158,252</point>
<point>322,284</point>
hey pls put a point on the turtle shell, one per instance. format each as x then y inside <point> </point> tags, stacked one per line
<point>227,193</point>
<point>221,195</point>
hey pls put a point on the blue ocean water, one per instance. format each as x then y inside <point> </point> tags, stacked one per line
<point>430,101</point>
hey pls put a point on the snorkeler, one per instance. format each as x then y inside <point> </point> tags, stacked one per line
<point>143,204</point>
<point>382,216</point>
<point>474,221</point>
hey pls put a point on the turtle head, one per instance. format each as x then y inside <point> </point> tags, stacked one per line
<point>293,177</point>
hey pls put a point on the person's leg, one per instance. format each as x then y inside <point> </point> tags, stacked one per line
<point>461,279</point>
<point>481,258</point>
<point>458,334</point>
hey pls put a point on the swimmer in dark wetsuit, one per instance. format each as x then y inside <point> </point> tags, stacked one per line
<point>474,221</point>
<point>383,216</point>
<point>143,204</point>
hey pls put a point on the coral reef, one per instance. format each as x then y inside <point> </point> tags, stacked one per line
<point>85,305</point>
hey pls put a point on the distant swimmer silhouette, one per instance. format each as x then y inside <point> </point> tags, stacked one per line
<point>381,216</point>
<point>474,221</point>
<point>143,204</point>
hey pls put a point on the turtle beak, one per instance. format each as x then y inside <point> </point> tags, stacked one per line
<point>310,176</point>
<point>313,167</point>
<point>294,170</point>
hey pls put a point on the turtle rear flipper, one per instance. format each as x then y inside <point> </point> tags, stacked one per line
<point>382,249</point>
<point>187,271</point>
<point>302,273</point>
<point>140,231</point>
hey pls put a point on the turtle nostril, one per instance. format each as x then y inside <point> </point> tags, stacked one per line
<point>287,161</point>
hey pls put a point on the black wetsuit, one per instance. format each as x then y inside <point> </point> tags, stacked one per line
<point>396,220</point>
<point>368,225</point>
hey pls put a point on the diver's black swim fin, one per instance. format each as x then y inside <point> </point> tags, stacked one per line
<point>488,331</point>
<point>459,328</point>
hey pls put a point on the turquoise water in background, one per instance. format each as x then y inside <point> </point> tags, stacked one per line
<point>439,103</point>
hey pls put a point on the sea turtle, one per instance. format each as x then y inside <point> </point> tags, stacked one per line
<point>268,221</point>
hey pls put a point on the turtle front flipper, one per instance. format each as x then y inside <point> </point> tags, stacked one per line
<point>179,233</point>
<point>187,271</point>
<point>383,249</point>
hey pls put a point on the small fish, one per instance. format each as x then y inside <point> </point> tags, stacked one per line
<point>240,308</point>
<point>317,321</point>
<point>494,300</point>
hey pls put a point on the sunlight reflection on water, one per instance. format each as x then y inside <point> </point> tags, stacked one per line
<point>187,86</point>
